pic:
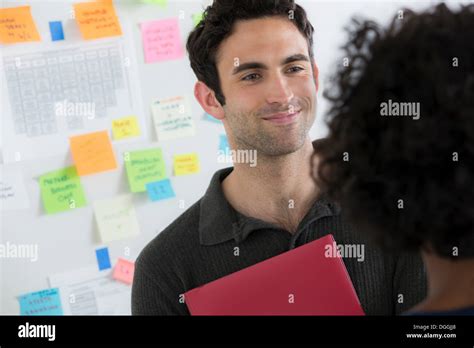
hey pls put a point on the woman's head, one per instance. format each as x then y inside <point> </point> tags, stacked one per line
<point>400,154</point>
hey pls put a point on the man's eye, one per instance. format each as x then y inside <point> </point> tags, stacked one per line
<point>249,77</point>
<point>298,68</point>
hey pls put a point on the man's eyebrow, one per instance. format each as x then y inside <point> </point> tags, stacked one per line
<point>248,66</point>
<point>294,58</point>
<point>258,65</point>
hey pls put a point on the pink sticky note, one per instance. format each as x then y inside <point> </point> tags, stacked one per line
<point>161,40</point>
<point>123,271</point>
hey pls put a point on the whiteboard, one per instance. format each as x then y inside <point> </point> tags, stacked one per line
<point>67,241</point>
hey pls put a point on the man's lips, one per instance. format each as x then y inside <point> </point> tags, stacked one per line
<point>283,117</point>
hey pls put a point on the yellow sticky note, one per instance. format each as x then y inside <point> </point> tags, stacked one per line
<point>17,25</point>
<point>125,127</point>
<point>116,218</point>
<point>92,153</point>
<point>97,20</point>
<point>186,164</point>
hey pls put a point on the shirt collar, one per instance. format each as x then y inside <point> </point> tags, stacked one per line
<point>220,222</point>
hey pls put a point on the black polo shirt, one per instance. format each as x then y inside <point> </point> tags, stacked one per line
<point>211,239</point>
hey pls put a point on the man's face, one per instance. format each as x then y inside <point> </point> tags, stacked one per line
<point>267,79</point>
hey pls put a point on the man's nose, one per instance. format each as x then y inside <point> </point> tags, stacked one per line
<point>279,90</point>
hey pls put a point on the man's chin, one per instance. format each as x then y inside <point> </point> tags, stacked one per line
<point>282,148</point>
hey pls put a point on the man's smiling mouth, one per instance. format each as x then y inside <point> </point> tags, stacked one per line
<point>283,117</point>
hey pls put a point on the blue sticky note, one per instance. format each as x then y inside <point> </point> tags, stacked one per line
<point>210,118</point>
<point>56,29</point>
<point>224,144</point>
<point>44,302</point>
<point>160,190</point>
<point>103,258</point>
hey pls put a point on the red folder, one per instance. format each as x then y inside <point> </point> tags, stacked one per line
<point>302,281</point>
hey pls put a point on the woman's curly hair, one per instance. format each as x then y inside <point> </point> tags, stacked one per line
<point>408,182</point>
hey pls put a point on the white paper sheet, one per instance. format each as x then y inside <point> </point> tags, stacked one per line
<point>88,291</point>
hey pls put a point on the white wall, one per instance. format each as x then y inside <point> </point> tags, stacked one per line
<point>67,241</point>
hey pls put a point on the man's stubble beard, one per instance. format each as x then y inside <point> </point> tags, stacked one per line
<point>250,133</point>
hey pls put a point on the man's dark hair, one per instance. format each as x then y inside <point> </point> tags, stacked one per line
<point>408,182</point>
<point>218,23</point>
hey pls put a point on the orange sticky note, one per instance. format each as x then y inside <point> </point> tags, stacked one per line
<point>97,20</point>
<point>92,153</point>
<point>17,25</point>
<point>124,270</point>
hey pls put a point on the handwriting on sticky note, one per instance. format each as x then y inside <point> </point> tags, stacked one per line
<point>61,190</point>
<point>159,190</point>
<point>125,127</point>
<point>17,25</point>
<point>172,118</point>
<point>44,302</point>
<point>116,218</point>
<point>97,19</point>
<point>12,189</point>
<point>123,271</point>
<point>92,153</point>
<point>144,166</point>
<point>161,40</point>
<point>186,164</point>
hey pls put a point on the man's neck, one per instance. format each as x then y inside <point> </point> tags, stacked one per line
<point>278,190</point>
<point>450,284</point>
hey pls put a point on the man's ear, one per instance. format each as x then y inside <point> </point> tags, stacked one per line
<point>316,75</point>
<point>207,98</point>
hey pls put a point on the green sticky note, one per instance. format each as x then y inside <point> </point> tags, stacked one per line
<point>162,3</point>
<point>197,17</point>
<point>143,167</point>
<point>61,190</point>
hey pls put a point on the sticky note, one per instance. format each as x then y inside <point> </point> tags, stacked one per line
<point>197,17</point>
<point>56,29</point>
<point>44,302</point>
<point>116,218</point>
<point>123,271</point>
<point>61,190</point>
<point>17,25</point>
<point>172,118</point>
<point>159,190</point>
<point>161,40</point>
<point>186,164</point>
<point>125,127</point>
<point>144,166</point>
<point>224,147</point>
<point>92,153</point>
<point>209,118</point>
<point>97,19</point>
<point>103,259</point>
<point>13,195</point>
